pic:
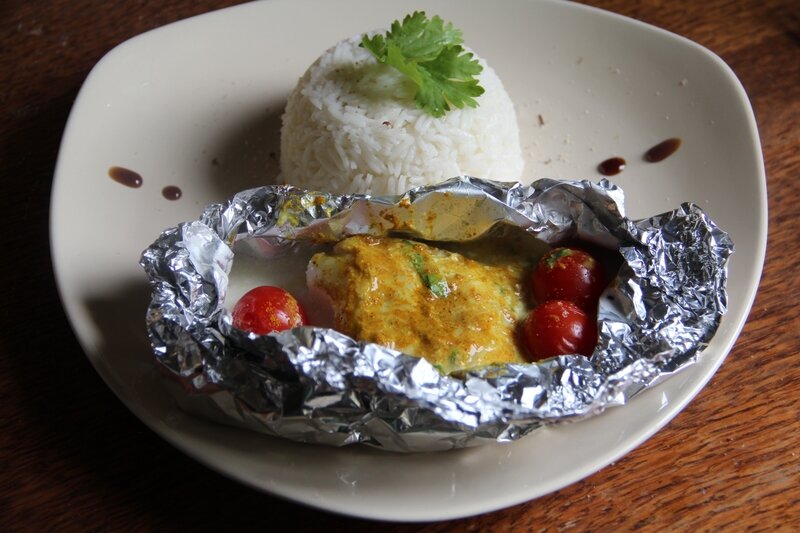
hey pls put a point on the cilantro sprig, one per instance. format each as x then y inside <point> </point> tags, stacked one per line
<point>429,52</point>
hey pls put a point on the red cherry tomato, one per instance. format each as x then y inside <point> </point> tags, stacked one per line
<point>559,328</point>
<point>569,274</point>
<point>267,309</point>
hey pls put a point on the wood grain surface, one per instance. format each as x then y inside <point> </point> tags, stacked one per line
<point>72,457</point>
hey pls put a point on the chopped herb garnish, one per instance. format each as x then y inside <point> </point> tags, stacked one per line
<point>416,262</point>
<point>429,52</point>
<point>553,258</point>
<point>435,283</point>
<point>453,358</point>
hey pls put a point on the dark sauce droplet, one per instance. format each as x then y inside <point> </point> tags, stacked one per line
<point>612,166</point>
<point>171,192</point>
<point>662,150</point>
<point>126,177</point>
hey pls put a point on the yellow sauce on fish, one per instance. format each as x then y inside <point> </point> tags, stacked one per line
<point>455,311</point>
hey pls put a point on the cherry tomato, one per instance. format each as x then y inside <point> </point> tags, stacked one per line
<point>558,327</point>
<point>569,274</point>
<point>266,309</point>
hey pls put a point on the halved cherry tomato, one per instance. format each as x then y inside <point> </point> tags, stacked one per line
<point>266,309</point>
<point>569,274</point>
<point>559,328</point>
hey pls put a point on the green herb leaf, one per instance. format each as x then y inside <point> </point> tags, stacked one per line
<point>449,81</point>
<point>416,262</point>
<point>437,285</point>
<point>556,255</point>
<point>453,358</point>
<point>429,52</point>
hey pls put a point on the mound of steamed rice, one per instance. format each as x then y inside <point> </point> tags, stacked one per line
<point>351,126</point>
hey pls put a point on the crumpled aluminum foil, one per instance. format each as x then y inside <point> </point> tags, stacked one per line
<point>317,385</point>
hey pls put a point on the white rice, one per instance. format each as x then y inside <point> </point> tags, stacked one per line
<point>351,126</point>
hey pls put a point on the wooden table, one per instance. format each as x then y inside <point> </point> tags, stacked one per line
<point>73,457</point>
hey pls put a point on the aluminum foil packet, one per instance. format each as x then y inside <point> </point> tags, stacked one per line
<point>316,385</point>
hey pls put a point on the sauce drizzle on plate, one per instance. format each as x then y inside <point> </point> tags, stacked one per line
<point>611,166</point>
<point>662,150</point>
<point>614,165</point>
<point>171,192</point>
<point>125,177</point>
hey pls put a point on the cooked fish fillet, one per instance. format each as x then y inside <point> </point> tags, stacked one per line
<point>454,311</point>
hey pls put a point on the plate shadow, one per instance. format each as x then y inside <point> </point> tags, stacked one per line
<point>248,153</point>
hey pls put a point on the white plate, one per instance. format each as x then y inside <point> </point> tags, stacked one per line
<point>197,104</point>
